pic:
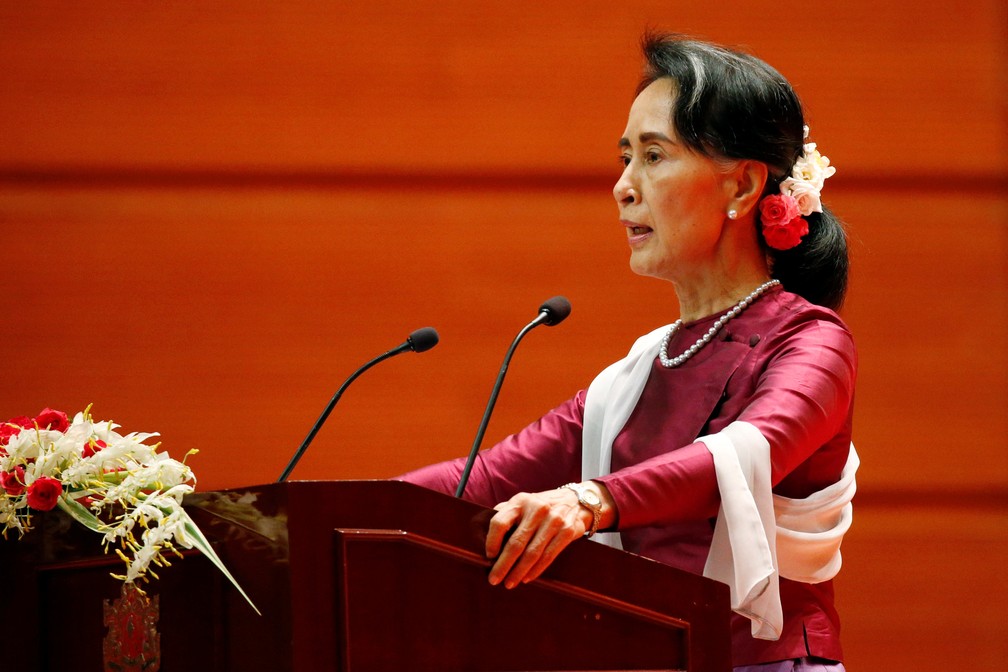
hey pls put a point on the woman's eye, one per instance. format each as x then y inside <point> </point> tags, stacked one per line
<point>652,157</point>
<point>625,160</point>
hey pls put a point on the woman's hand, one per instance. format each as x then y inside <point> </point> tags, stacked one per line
<point>543,524</point>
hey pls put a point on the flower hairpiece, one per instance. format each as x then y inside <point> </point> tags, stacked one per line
<point>783,215</point>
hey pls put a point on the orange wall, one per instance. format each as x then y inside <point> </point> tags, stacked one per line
<point>211,216</point>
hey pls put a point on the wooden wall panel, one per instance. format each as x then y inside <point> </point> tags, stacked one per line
<point>929,308</point>
<point>461,86</point>
<point>194,303</point>
<point>922,588</point>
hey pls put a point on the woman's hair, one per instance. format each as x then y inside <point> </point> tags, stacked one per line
<point>733,105</point>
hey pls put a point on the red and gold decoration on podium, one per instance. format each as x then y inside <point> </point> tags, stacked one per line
<point>133,643</point>
<point>116,485</point>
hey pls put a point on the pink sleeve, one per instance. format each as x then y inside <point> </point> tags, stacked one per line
<point>675,487</point>
<point>797,391</point>
<point>543,456</point>
<point>804,401</point>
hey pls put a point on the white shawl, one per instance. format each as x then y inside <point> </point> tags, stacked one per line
<point>758,535</point>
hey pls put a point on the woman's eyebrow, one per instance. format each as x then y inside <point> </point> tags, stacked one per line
<point>647,137</point>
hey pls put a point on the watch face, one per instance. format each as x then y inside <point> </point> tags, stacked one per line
<point>590,497</point>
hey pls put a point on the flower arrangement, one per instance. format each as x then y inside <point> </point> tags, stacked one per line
<point>783,215</point>
<point>116,485</point>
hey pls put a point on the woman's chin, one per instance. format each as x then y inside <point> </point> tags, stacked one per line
<point>644,267</point>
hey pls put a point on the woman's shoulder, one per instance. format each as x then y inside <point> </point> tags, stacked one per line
<point>789,310</point>
<point>789,318</point>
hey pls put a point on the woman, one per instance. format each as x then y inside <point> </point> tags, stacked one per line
<point>751,388</point>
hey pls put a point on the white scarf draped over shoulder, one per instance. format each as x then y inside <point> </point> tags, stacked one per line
<point>758,536</point>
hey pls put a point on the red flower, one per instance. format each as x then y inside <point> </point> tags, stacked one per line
<point>43,493</point>
<point>92,446</point>
<point>55,420</point>
<point>783,225</point>
<point>12,427</point>
<point>778,209</point>
<point>6,432</point>
<point>785,236</point>
<point>13,481</point>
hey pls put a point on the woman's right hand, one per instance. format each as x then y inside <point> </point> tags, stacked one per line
<point>541,525</point>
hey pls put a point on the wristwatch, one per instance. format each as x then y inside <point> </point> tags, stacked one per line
<point>590,500</point>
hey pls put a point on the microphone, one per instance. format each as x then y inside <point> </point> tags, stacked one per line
<point>420,340</point>
<point>551,313</point>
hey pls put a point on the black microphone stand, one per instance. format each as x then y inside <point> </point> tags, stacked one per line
<point>552,312</point>
<point>420,340</point>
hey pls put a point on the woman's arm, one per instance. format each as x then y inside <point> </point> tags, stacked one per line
<point>542,456</point>
<point>801,403</point>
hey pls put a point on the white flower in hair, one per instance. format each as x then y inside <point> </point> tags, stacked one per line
<point>812,167</point>
<point>805,193</point>
<point>808,176</point>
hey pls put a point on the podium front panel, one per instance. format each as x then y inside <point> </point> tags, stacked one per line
<point>464,623</point>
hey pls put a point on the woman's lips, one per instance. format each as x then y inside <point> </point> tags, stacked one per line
<point>637,233</point>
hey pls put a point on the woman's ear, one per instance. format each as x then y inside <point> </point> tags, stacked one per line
<point>745,186</point>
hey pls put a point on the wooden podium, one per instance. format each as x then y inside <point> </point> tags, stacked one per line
<point>355,576</point>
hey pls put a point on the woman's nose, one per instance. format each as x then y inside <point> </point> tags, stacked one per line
<point>624,192</point>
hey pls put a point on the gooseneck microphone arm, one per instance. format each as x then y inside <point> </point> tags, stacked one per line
<point>420,340</point>
<point>551,312</point>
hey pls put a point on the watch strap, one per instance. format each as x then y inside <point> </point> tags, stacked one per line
<point>596,508</point>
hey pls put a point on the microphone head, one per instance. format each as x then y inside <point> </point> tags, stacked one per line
<point>423,340</point>
<point>556,309</point>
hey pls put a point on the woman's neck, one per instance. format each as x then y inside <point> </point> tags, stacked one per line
<point>715,282</point>
<point>717,292</point>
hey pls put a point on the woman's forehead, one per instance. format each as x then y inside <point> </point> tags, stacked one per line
<point>651,111</point>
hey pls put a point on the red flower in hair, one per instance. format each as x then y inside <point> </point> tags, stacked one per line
<point>783,225</point>
<point>778,209</point>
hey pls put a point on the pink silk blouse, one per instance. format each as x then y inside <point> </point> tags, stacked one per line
<point>785,366</point>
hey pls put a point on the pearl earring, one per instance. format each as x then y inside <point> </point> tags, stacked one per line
<point>733,214</point>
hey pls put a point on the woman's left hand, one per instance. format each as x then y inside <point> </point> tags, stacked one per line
<point>541,524</point>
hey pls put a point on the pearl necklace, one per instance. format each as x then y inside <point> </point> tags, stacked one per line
<point>712,332</point>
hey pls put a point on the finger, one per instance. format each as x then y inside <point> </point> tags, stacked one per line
<point>541,539</point>
<point>559,542</point>
<point>501,523</point>
<point>564,525</point>
<point>514,548</point>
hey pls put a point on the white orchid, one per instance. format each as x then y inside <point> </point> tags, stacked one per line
<point>114,484</point>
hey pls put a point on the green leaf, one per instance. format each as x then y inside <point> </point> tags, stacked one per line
<point>201,543</point>
<point>81,514</point>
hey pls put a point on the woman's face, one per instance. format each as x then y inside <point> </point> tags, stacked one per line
<point>672,200</point>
